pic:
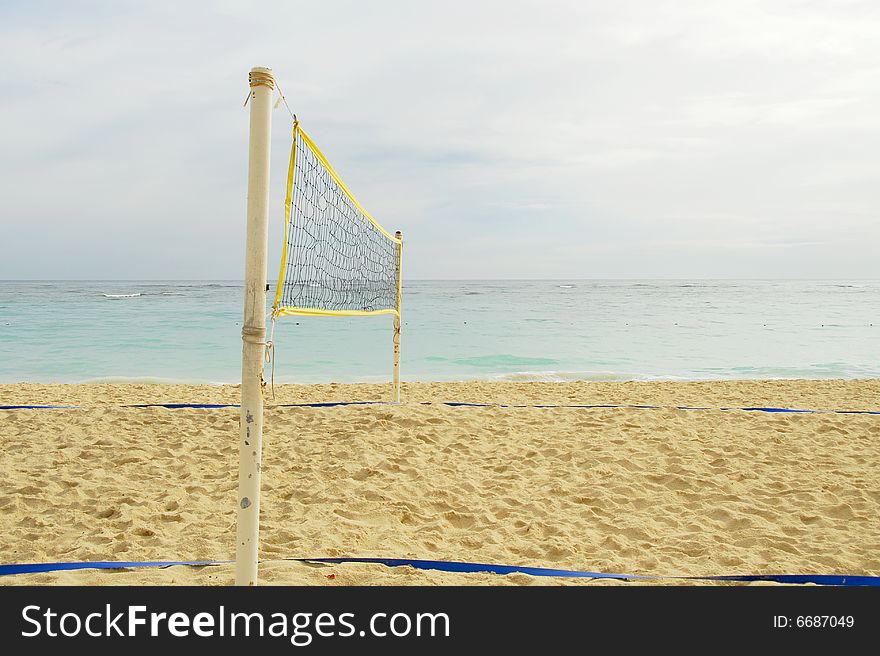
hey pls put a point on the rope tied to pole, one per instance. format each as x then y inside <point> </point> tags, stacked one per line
<point>260,78</point>
<point>264,78</point>
<point>270,355</point>
<point>283,98</point>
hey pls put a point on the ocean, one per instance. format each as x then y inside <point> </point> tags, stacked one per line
<point>549,330</point>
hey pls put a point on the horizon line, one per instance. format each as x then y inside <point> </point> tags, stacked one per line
<point>551,278</point>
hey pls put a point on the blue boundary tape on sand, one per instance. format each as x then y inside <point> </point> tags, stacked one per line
<point>38,568</point>
<point>451,404</point>
<point>465,568</point>
<point>477,568</point>
<point>457,404</point>
<point>179,406</point>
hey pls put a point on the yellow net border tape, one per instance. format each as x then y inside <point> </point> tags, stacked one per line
<point>313,312</point>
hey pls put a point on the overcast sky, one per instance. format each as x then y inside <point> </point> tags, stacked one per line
<point>626,139</point>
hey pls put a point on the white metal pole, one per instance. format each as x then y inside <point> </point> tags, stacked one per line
<point>399,235</point>
<point>253,332</point>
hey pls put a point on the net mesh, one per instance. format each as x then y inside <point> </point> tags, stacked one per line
<point>337,259</point>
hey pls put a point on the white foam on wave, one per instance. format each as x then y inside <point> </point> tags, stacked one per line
<point>120,295</point>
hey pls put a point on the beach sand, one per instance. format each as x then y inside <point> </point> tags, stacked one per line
<point>659,491</point>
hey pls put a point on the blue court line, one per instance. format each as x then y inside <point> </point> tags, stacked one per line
<point>330,404</point>
<point>774,410</point>
<point>474,568</point>
<point>648,407</point>
<point>461,567</point>
<point>178,406</point>
<point>37,568</point>
<point>452,404</point>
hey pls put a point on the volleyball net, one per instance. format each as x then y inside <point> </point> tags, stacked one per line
<point>337,260</point>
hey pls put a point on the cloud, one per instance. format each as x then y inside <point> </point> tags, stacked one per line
<point>506,139</point>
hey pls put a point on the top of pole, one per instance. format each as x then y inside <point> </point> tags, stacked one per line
<point>261,77</point>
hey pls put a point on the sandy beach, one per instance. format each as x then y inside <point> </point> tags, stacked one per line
<point>659,491</point>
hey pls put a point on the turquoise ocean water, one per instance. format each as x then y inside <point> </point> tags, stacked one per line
<point>189,331</point>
